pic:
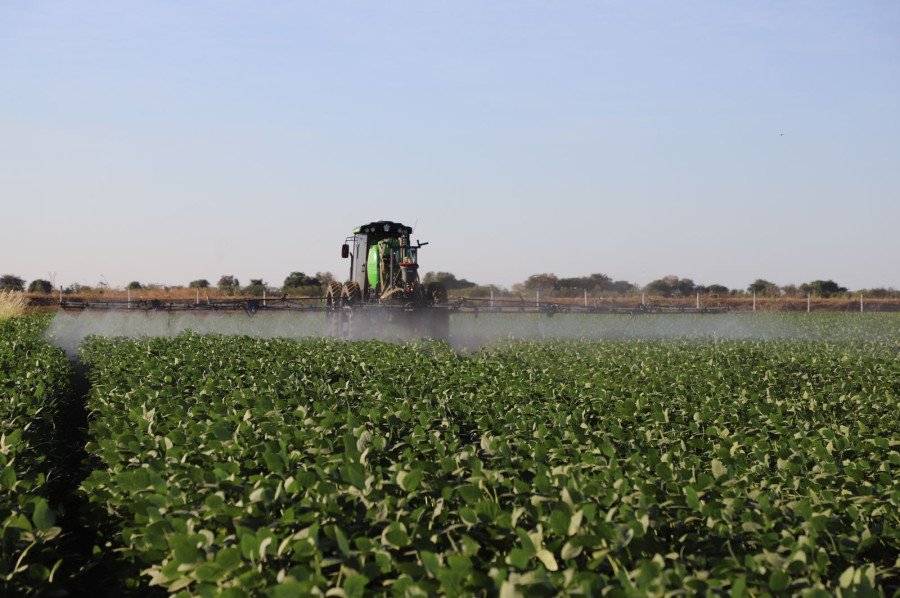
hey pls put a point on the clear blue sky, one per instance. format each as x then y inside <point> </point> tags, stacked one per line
<point>168,141</point>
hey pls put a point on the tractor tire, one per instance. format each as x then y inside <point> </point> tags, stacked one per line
<point>333,295</point>
<point>351,294</point>
<point>436,293</point>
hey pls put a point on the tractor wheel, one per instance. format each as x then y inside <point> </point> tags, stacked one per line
<point>333,295</point>
<point>436,293</point>
<point>351,293</point>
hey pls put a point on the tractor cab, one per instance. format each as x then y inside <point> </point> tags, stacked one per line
<point>383,262</point>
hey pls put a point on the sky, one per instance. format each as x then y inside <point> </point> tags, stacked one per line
<point>169,141</point>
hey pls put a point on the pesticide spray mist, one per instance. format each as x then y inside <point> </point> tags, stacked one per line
<point>471,331</point>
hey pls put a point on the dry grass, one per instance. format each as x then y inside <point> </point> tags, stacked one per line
<point>12,303</point>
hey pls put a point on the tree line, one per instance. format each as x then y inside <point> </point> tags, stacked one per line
<point>299,283</point>
<point>667,286</point>
<point>295,283</point>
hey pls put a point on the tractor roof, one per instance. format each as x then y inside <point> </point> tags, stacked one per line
<point>384,227</point>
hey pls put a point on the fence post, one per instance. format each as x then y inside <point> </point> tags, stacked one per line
<point>197,301</point>
<point>698,299</point>
<point>492,297</point>
<point>264,297</point>
<point>754,301</point>
<point>537,298</point>
<point>585,297</point>
<point>808,295</point>
<point>129,298</point>
<point>642,298</point>
<point>860,303</point>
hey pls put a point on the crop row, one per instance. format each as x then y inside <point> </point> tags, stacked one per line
<point>34,379</point>
<point>239,466</point>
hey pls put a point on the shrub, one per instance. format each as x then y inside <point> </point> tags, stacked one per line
<point>40,286</point>
<point>11,282</point>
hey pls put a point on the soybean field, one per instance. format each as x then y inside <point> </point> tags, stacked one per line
<point>229,465</point>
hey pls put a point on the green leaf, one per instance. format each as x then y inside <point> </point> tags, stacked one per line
<point>692,499</point>
<point>430,561</point>
<point>559,522</point>
<point>342,542</point>
<point>184,549</point>
<point>395,535</point>
<point>355,585</point>
<point>519,557</point>
<point>286,589</point>
<point>229,558</point>
<point>355,474</point>
<point>412,479</point>
<point>274,462</point>
<point>779,581</point>
<point>43,516</point>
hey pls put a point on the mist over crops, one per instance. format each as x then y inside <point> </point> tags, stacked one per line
<point>68,330</point>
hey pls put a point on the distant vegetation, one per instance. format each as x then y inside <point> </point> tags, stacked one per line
<point>40,286</point>
<point>547,284</point>
<point>9,282</point>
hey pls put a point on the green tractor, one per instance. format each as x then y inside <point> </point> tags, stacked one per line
<point>383,295</point>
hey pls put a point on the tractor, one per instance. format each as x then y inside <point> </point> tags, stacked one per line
<point>383,294</point>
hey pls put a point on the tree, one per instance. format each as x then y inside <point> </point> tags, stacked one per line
<point>685,287</point>
<point>256,288</point>
<point>822,288</point>
<point>135,285</point>
<point>763,287</point>
<point>790,290</point>
<point>10,282</point>
<point>40,286</point>
<point>325,277</point>
<point>541,282</point>
<point>881,293</point>
<point>671,286</point>
<point>717,289</point>
<point>664,287</point>
<point>623,287</point>
<point>486,291</point>
<point>228,284</point>
<point>199,284</point>
<point>593,282</point>
<point>450,281</point>
<point>296,280</point>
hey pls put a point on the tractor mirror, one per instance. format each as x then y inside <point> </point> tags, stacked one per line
<point>345,251</point>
